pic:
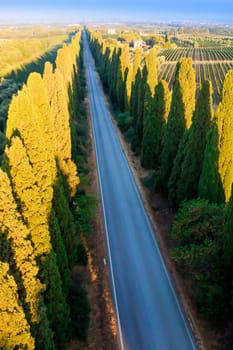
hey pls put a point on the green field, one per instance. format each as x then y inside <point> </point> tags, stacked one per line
<point>209,63</point>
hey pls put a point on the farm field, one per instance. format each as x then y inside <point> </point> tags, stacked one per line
<point>209,63</point>
<point>19,47</point>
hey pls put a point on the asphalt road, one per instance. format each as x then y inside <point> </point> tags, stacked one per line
<point>148,313</point>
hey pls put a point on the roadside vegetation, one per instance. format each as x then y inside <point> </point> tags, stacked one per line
<point>186,145</point>
<point>44,212</point>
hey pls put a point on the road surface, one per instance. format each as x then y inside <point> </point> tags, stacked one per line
<point>148,313</point>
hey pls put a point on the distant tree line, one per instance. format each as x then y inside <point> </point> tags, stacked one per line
<point>38,231</point>
<point>190,148</point>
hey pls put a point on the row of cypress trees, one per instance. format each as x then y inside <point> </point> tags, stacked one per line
<point>188,145</point>
<point>38,179</point>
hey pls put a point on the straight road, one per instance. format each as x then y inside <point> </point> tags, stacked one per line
<point>148,313</point>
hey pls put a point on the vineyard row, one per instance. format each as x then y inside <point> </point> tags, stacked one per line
<point>199,54</point>
<point>215,72</point>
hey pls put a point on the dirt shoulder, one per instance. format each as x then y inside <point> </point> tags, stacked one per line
<point>103,329</point>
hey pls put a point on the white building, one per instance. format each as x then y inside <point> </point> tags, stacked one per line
<point>111,31</point>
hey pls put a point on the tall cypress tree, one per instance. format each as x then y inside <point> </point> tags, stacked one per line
<point>189,170</point>
<point>61,120</point>
<point>153,126</point>
<point>23,265</point>
<point>210,184</point>
<point>14,328</point>
<point>175,173</point>
<point>113,73</point>
<point>228,234</point>
<point>136,62</point>
<point>134,100</point>
<point>228,250</point>
<point>180,115</point>
<point>122,73</point>
<point>132,71</point>
<point>225,128</point>
<point>152,74</point>
<point>144,96</point>
<point>31,204</point>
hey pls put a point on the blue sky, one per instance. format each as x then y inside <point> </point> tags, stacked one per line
<point>220,10</point>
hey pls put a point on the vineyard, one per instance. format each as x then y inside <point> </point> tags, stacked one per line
<point>199,54</point>
<point>209,63</point>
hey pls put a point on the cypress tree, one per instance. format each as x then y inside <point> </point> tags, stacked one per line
<point>59,248</point>
<point>228,250</point>
<point>132,71</point>
<point>49,80</point>
<point>210,184</point>
<point>189,170</point>
<point>65,220</point>
<point>225,128</point>
<point>30,202</point>
<point>174,178</point>
<point>105,66</point>
<point>14,328</point>
<point>35,128</point>
<point>228,233</point>
<point>61,120</point>
<point>23,265</point>
<point>144,96</point>
<point>123,69</point>
<point>39,99</point>
<point>65,65</point>
<point>113,74</point>
<point>180,115</point>
<point>136,62</point>
<point>24,186</point>
<point>153,126</point>
<point>134,101</point>
<point>151,66</point>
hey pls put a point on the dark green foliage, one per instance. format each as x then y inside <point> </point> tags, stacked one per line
<point>121,88</point>
<point>2,125</point>
<point>173,133</point>
<point>112,76</point>
<point>154,122</point>
<point>143,104</point>
<point>65,220</point>
<point>2,143</point>
<point>7,88</point>
<point>148,146</point>
<point>190,170</point>
<point>82,258</point>
<point>134,101</point>
<point>124,121</point>
<point>224,117</point>
<point>180,115</point>
<point>197,236</point>
<point>228,250</point>
<point>80,312</point>
<point>55,301</point>
<point>228,233</point>
<point>60,250</point>
<point>85,210</point>
<point>173,193</point>
<point>210,184</point>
